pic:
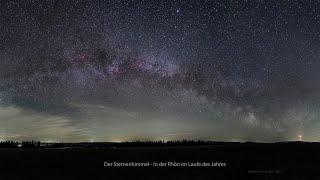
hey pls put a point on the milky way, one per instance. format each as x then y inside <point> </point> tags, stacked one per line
<point>159,70</point>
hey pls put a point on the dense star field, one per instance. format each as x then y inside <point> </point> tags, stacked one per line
<point>160,70</point>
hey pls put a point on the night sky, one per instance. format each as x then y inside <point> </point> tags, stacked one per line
<point>159,70</point>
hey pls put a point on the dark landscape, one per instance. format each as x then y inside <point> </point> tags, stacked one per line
<point>283,160</point>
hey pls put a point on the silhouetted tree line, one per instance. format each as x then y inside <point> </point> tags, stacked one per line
<point>137,143</point>
<point>171,143</point>
<point>8,144</point>
<point>23,144</point>
<point>30,144</point>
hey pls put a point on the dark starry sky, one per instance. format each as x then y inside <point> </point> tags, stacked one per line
<point>159,70</point>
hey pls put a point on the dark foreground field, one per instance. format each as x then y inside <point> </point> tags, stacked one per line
<point>253,161</point>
